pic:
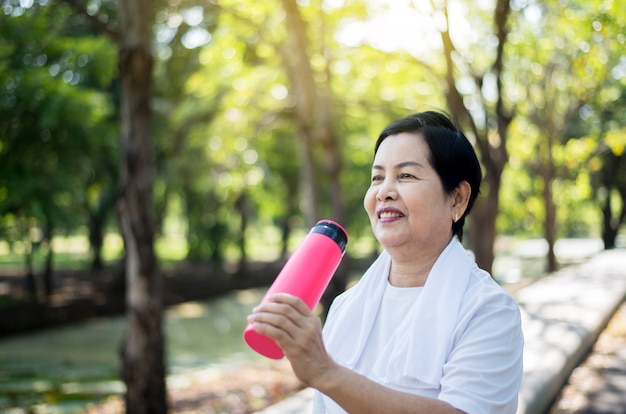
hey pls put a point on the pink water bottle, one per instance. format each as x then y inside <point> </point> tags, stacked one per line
<point>305,275</point>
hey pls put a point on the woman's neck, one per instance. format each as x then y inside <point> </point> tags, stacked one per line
<point>410,269</point>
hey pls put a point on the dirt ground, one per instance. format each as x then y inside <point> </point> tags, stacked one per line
<point>244,390</point>
<point>598,385</point>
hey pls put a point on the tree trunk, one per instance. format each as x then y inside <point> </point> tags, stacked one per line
<point>96,240</point>
<point>97,221</point>
<point>316,125</point>
<point>31,283</point>
<point>548,175</point>
<point>309,192</point>
<point>242,205</point>
<point>481,233</point>
<point>609,233</point>
<point>611,177</point>
<point>492,144</point>
<point>48,271</point>
<point>301,77</point>
<point>143,351</point>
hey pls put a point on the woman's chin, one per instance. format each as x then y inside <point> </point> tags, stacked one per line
<point>389,240</point>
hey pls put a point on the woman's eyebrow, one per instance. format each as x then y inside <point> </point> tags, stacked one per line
<point>409,164</point>
<point>400,165</point>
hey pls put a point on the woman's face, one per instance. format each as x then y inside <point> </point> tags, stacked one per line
<point>406,202</point>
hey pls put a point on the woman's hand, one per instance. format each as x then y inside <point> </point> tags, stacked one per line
<point>287,320</point>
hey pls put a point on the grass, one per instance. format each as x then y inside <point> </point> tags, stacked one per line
<point>73,253</point>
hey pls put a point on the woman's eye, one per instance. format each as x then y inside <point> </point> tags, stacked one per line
<point>377,178</point>
<point>405,175</point>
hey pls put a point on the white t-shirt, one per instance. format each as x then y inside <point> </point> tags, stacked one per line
<point>394,307</point>
<point>482,371</point>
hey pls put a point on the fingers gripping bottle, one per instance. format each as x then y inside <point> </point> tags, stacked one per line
<point>305,275</point>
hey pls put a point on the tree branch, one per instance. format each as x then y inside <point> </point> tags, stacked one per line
<point>102,27</point>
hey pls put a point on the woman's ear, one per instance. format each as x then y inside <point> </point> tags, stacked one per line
<point>460,199</point>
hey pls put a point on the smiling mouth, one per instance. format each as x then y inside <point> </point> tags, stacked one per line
<point>389,214</point>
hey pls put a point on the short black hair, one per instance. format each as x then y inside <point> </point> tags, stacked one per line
<point>451,154</point>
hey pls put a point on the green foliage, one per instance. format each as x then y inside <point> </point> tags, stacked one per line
<point>224,127</point>
<point>55,126</point>
<point>565,59</point>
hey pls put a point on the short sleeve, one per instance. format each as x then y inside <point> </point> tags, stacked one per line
<point>484,370</point>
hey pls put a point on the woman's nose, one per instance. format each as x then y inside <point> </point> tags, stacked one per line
<point>386,191</point>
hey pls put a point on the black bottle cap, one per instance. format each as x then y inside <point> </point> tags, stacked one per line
<point>334,231</point>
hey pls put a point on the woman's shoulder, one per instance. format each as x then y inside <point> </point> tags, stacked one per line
<point>482,287</point>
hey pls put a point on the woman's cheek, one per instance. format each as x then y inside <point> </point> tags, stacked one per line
<point>369,201</point>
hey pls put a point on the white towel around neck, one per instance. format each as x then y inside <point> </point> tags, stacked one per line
<point>418,350</point>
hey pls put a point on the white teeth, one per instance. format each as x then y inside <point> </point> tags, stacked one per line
<point>389,214</point>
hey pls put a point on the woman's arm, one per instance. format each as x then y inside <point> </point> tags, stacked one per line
<point>288,321</point>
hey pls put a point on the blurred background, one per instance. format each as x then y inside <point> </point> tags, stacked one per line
<point>161,159</point>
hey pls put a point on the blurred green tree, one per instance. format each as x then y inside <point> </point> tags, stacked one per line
<point>56,135</point>
<point>563,67</point>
